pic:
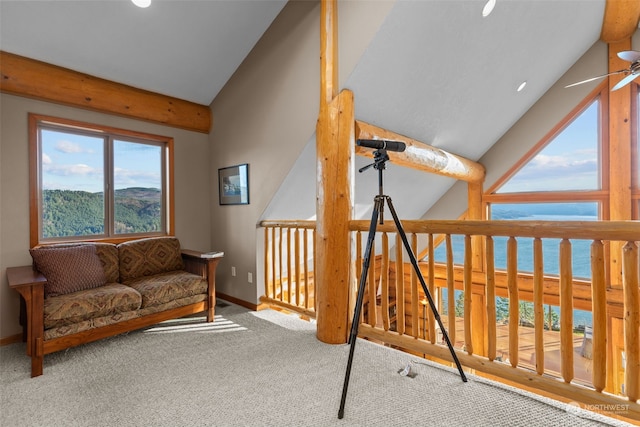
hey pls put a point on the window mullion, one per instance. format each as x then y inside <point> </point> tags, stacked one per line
<point>109,195</point>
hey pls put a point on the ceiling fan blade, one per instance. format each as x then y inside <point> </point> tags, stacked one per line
<point>596,78</point>
<point>629,55</point>
<point>625,81</point>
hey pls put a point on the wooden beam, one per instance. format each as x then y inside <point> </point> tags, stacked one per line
<point>35,79</point>
<point>421,156</point>
<point>620,20</point>
<point>328,51</point>
<point>619,153</point>
<point>334,209</point>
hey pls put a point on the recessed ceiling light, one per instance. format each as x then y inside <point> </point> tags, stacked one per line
<point>142,3</point>
<point>488,8</point>
<point>522,85</point>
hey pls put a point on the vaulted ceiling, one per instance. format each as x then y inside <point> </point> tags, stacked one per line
<point>184,49</point>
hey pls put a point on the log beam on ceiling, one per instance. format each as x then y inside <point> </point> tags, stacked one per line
<point>421,156</point>
<point>39,80</point>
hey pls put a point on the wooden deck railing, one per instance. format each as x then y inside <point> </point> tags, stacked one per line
<point>602,372</point>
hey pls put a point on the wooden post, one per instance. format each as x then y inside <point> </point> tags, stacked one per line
<point>479,301</point>
<point>335,167</point>
<point>334,206</point>
<point>619,153</point>
<point>34,79</point>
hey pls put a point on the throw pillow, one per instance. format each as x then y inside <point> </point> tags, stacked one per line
<point>69,269</point>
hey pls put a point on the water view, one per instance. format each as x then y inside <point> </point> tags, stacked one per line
<point>551,247</point>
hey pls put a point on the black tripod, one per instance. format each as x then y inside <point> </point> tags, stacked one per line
<point>380,158</point>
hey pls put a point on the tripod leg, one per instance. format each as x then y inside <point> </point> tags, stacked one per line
<point>434,309</point>
<point>358,308</point>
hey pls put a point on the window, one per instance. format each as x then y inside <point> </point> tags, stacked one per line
<point>559,180</point>
<point>91,182</point>
<point>570,161</point>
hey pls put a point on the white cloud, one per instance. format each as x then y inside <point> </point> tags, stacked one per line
<point>78,169</point>
<point>46,160</point>
<point>70,147</point>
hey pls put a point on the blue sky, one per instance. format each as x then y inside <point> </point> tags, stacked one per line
<point>568,162</point>
<point>75,162</point>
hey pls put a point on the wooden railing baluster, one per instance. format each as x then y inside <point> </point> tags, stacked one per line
<point>415,295</point>
<point>631,320</point>
<point>468,269</point>
<point>538,297</point>
<point>384,282</point>
<point>514,301</point>
<point>373,290</point>
<point>400,288</point>
<point>566,311</point>
<point>599,332</point>
<point>491,298</point>
<point>296,262</point>
<point>451,291</point>
<point>432,291</point>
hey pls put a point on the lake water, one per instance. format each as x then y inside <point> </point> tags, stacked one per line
<point>581,257</point>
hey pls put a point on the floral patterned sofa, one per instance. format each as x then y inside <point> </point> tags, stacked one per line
<point>81,292</point>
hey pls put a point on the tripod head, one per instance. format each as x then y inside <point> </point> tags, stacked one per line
<point>380,158</point>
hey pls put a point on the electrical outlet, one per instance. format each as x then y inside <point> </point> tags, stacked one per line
<point>250,277</point>
<point>233,271</point>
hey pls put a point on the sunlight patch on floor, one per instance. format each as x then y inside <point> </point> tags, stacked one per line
<point>195,324</point>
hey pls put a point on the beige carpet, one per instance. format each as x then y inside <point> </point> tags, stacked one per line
<point>255,369</point>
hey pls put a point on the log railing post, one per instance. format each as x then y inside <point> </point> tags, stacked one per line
<point>335,168</point>
<point>334,207</point>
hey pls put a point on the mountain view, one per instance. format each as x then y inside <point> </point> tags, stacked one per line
<point>81,213</point>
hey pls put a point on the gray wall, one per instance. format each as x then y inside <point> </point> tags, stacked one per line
<point>192,186</point>
<point>265,116</point>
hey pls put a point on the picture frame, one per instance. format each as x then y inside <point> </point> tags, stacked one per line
<point>233,185</point>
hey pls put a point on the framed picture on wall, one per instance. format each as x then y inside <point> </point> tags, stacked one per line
<point>233,185</point>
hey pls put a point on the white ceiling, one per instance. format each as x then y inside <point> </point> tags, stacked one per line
<point>436,70</point>
<point>144,48</point>
<point>446,76</point>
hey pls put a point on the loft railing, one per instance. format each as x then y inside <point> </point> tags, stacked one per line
<point>289,248</point>
<point>596,365</point>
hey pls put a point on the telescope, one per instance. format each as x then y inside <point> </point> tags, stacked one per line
<point>381,144</point>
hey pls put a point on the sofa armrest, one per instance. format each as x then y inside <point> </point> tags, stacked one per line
<point>205,267</point>
<point>25,276</point>
<point>30,284</point>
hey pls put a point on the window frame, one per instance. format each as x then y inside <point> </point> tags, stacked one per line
<point>38,121</point>
<point>601,196</point>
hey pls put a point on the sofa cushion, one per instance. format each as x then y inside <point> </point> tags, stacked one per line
<point>69,269</point>
<point>108,300</point>
<point>108,254</point>
<point>165,287</point>
<point>146,257</point>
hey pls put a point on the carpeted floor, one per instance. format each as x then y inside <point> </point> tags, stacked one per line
<point>255,369</point>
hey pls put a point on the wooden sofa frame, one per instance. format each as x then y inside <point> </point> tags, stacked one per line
<point>30,284</point>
